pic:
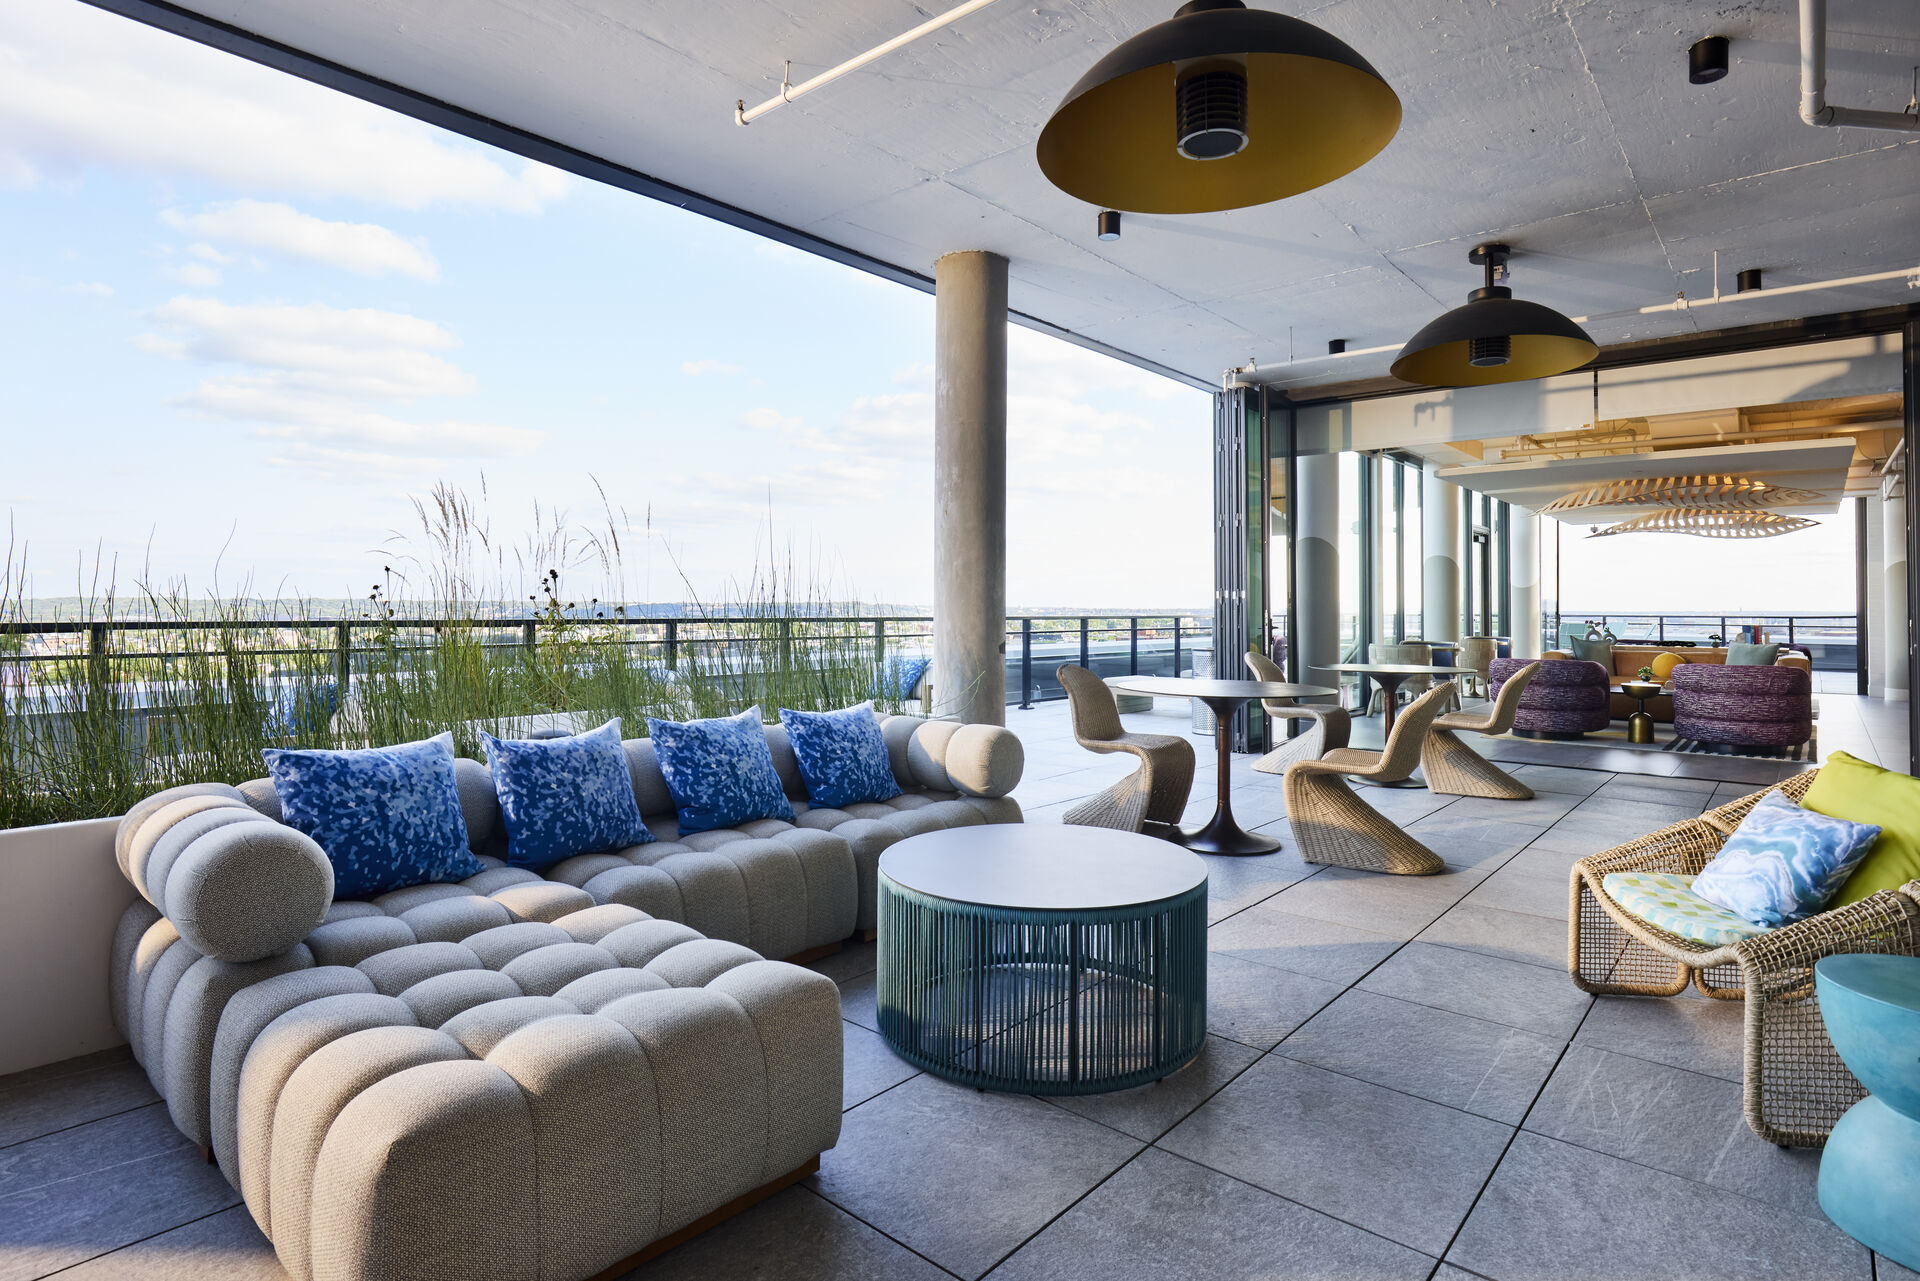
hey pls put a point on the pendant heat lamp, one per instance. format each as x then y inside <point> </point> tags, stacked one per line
<point>1495,338</point>
<point>1219,107</point>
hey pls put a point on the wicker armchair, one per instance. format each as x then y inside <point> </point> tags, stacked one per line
<point>1454,769</point>
<point>1477,652</point>
<point>1152,798</point>
<point>1331,726</point>
<point>1333,825</point>
<point>1796,1087</point>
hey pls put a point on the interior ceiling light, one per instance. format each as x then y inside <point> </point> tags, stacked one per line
<point>1495,338</point>
<point>1707,60</point>
<point>1219,107</point>
<point>1719,493</point>
<point>1109,224</point>
<point>1702,523</point>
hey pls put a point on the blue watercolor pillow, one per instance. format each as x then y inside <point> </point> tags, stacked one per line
<point>1783,862</point>
<point>388,817</point>
<point>565,796</point>
<point>719,771</point>
<point>842,756</point>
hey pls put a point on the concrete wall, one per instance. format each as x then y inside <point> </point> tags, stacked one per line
<point>61,894</point>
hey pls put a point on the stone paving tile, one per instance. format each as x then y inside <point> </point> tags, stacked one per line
<point>960,1176</point>
<point>1270,935</point>
<point>850,962</point>
<point>84,1149</point>
<point>1544,809</point>
<point>1125,1231</point>
<point>1489,1069</point>
<point>1685,1123</point>
<point>221,1247</point>
<point>1479,843</point>
<point>1234,883</point>
<point>1556,778</point>
<point>1396,906</point>
<point>1482,987</point>
<point>794,1236</point>
<point>1381,1160</point>
<point>1512,936</point>
<point>1639,816</point>
<point>869,1065</point>
<point>1523,890</point>
<point>1690,1032</point>
<point>857,1002</point>
<point>1256,1005</point>
<point>60,1095</point>
<point>1148,1111</point>
<point>1559,1211</point>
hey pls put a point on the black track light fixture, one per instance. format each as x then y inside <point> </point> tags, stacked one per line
<point>1707,60</point>
<point>1495,338</point>
<point>1219,107</point>
<point>1109,224</point>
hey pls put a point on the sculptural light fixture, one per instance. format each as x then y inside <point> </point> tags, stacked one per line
<point>1726,523</point>
<point>1495,338</point>
<point>1219,107</point>
<point>1715,492</point>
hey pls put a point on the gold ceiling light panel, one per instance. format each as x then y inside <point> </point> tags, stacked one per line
<point>1702,523</point>
<point>1717,493</point>
<point>1219,107</point>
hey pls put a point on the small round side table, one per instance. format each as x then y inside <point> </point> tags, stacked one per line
<point>1640,723</point>
<point>1870,1171</point>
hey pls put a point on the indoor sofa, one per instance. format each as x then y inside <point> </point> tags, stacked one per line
<point>1629,659</point>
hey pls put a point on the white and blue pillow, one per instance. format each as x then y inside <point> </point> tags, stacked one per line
<point>565,796</point>
<point>719,771</point>
<point>843,756</point>
<point>1783,862</point>
<point>388,817</point>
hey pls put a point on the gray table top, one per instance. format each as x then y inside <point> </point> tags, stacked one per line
<point>1042,866</point>
<point>1206,687</point>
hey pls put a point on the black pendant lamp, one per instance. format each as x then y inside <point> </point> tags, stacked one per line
<point>1495,338</point>
<point>1219,107</point>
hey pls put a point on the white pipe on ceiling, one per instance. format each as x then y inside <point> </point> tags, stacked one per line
<point>744,115</point>
<point>1814,107</point>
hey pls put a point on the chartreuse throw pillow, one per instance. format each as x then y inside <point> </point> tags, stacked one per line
<point>720,772</point>
<point>1663,664</point>
<point>565,796</point>
<point>1851,788</point>
<point>388,817</point>
<point>1783,863</point>
<point>843,757</point>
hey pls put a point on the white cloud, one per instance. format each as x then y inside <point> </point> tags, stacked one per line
<point>695,368</point>
<point>207,253</point>
<point>770,420</point>
<point>155,345</point>
<point>94,289</point>
<point>342,351</point>
<point>364,248</point>
<point>196,275</point>
<point>83,88</point>
<point>284,414</point>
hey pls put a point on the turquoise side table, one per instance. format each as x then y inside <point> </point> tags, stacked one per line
<point>1870,1171</point>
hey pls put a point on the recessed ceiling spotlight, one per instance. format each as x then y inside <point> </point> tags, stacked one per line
<point>1109,224</point>
<point>1748,281</point>
<point>1707,60</point>
<point>1335,346</point>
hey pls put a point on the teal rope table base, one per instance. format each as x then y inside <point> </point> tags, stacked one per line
<point>1043,1001</point>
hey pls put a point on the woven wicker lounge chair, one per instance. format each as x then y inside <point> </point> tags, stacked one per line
<point>1152,798</point>
<point>1417,653</point>
<point>1454,769</point>
<point>1335,826</point>
<point>1796,1087</point>
<point>1477,652</point>
<point>1331,726</point>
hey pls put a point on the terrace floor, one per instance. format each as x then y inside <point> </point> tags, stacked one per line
<point>1399,1082</point>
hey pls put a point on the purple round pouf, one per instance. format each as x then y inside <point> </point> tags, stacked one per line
<point>1568,696</point>
<point>1742,706</point>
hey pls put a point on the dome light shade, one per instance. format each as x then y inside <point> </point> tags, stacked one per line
<point>1220,107</point>
<point>1495,338</point>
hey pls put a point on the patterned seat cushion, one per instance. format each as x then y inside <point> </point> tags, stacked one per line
<point>1666,901</point>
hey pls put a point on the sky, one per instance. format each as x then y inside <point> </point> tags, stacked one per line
<point>245,322</point>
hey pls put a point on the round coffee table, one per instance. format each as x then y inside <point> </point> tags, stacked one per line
<point>1043,959</point>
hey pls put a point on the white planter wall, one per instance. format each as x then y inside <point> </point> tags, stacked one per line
<point>60,897</point>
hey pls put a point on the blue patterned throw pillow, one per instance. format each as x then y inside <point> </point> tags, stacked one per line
<point>388,817</point>
<point>842,756</point>
<point>719,771</point>
<point>1783,862</point>
<point>565,796</point>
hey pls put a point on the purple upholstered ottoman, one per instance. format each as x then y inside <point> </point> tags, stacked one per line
<point>1567,699</point>
<point>1751,707</point>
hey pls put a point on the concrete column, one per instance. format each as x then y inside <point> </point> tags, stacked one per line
<point>1893,596</point>
<point>1316,563</point>
<point>1523,545</point>
<point>1876,583</point>
<point>970,487</point>
<point>1440,543</point>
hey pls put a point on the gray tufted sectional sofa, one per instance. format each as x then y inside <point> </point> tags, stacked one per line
<point>515,1075</point>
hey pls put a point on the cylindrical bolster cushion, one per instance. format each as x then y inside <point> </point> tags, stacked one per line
<point>247,891</point>
<point>985,760</point>
<point>927,754</point>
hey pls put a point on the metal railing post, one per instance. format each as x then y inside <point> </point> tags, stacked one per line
<point>1723,630</point>
<point>1133,647</point>
<point>343,655</point>
<point>673,644</point>
<point>786,644</point>
<point>879,642</point>
<point>1660,625</point>
<point>1176,645</point>
<point>526,634</point>
<point>1789,629</point>
<point>1026,663</point>
<point>1085,653</point>
<point>97,662</point>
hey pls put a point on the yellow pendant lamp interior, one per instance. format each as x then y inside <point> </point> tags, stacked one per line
<point>1220,107</point>
<point>1494,338</point>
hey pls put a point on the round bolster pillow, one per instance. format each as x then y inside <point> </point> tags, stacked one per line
<point>247,891</point>
<point>974,760</point>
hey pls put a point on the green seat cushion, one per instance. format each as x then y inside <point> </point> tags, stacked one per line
<point>1851,788</point>
<point>1666,901</point>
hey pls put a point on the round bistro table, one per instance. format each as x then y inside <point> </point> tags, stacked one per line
<point>1223,698</point>
<point>1042,959</point>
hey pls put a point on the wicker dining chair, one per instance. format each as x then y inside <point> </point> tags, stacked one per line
<point>1477,652</point>
<point>1416,653</point>
<point>1330,726</point>
<point>1333,825</point>
<point>1152,798</point>
<point>1454,769</point>
<point>1795,1085</point>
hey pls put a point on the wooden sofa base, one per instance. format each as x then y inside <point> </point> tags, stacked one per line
<point>814,954</point>
<point>705,1223</point>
